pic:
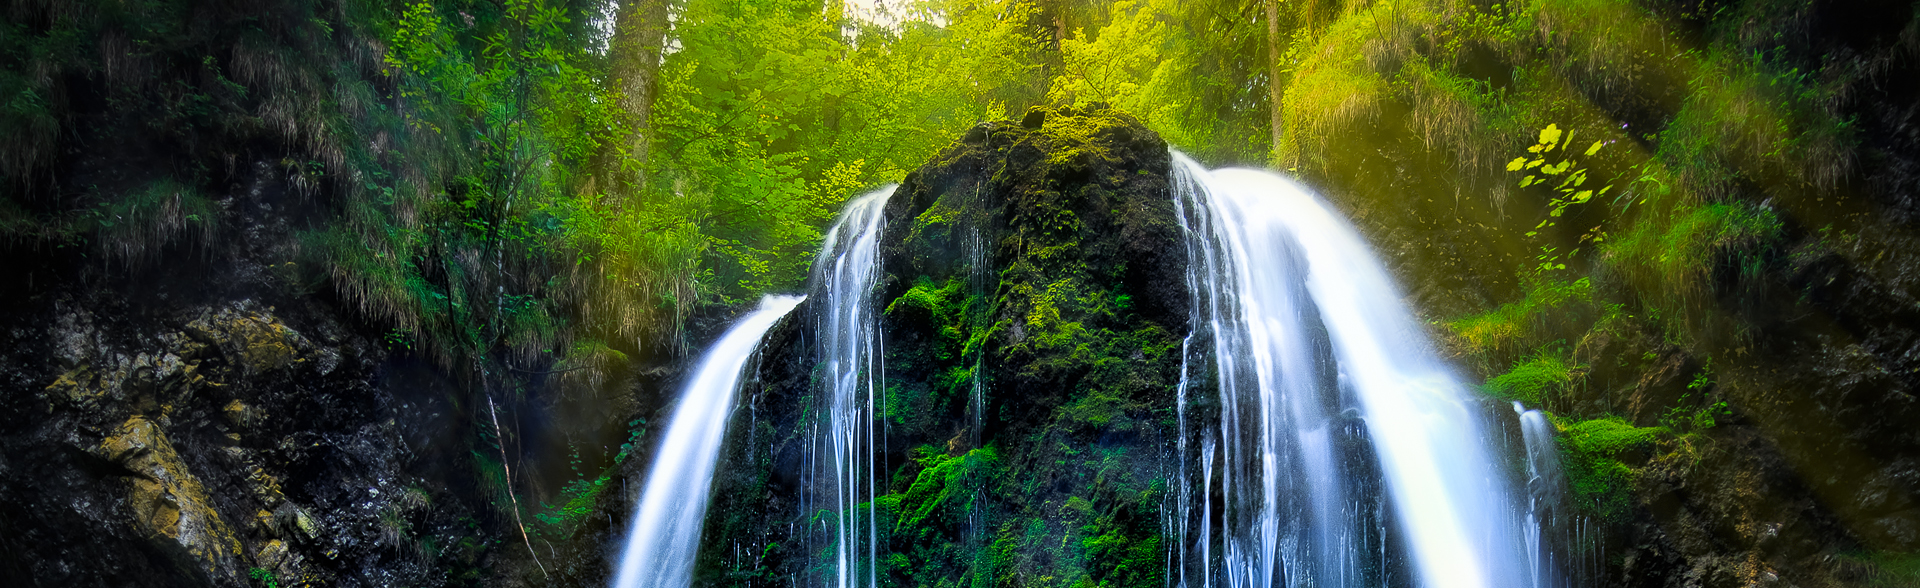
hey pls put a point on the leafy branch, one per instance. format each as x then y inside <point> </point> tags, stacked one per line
<point>1542,168</point>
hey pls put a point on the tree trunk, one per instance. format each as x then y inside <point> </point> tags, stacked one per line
<point>1059,25</point>
<point>1275,88</point>
<point>1054,22</point>
<point>639,39</point>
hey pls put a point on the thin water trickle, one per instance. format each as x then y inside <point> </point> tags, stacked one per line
<point>665,535</point>
<point>850,353</point>
<point>1544,496</point>
<point>1348,452</point>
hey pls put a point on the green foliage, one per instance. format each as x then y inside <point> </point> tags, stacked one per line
<point>949,309</point>
<point>1699,408</point>
<point>138,62</point>
<point>579,500</point>
<point>514,88</point>
<point>940,496</point>
<point>134,227</point>
<point>1193,71</point>
<point>1748,116</point>
<point>1124,545</point>
<point>771,115</point>
<point>1333,87</point>
<point>1716,137</point>
<point>953,317</point>
<point>264,577</point>
<point>1569,188</point>
<point>1596,454</point>
<point>933,511</point>
<point>459,155</point>
<point>636,430</point>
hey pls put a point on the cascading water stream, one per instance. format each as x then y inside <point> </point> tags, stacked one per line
<point>850,354</point>
<point>665,535</point>
<point>1342,440</point>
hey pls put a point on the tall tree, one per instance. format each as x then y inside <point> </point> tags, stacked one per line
<point>1274,86</point>
<point>639,39</point>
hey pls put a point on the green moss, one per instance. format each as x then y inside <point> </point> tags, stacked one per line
<point>1123,546</point>
<point>932,378</point>
<point>1596,456</point>
<point>1547,298</point>
<point>1534,380</point>
<point>937,223</point>
<point>947,309</point>
<point>934,511</point>
<point>1077,137</point>
<point>943,489</point>
<point>1096,410</point>
<point>1075,378</point>
<point>1046,329</point>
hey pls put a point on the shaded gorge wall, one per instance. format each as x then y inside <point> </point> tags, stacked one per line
<point>1718,321</point>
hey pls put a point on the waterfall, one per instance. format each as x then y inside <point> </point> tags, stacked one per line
<point>1345,454</point>
<point>1543,493</point>
<point>666,527</point>
<point>850,354</point>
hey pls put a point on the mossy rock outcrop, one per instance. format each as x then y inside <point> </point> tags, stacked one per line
<point>1033,305</point>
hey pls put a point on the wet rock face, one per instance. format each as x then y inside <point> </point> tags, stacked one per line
<point>1033,302</point>
<point>196,425</point>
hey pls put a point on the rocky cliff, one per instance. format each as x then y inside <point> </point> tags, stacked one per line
<point>201,422</point>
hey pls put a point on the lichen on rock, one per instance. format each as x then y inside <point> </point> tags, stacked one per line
<point>169,503</point>
<point>251,337</point>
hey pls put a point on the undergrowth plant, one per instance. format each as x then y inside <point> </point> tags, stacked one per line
<point>1700,408</point>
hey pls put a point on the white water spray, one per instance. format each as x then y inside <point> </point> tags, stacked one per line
<point>665,535</point>
<point>1343,439</point>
